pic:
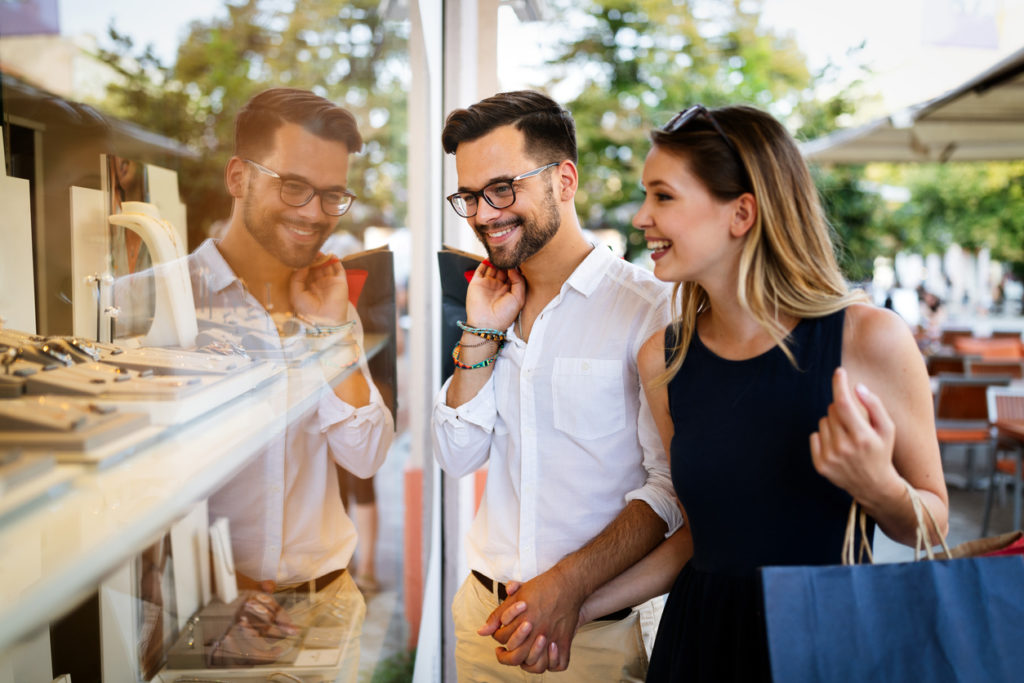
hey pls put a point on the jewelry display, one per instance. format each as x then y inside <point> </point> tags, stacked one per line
<point>174,315</point>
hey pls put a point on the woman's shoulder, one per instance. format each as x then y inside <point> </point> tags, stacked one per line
<point>873,334</point>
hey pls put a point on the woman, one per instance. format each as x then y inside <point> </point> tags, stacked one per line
<point>778,393</point>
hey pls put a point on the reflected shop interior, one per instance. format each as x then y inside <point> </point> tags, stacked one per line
<point>183,471</point>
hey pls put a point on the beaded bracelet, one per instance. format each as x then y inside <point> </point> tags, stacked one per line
<point>482,364</point>
<point>485,332</point>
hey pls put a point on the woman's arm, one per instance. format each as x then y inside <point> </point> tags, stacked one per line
<point>648,578</point>
<point>880,428</point>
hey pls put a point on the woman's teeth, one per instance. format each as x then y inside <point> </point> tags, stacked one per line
<point>658,245</point>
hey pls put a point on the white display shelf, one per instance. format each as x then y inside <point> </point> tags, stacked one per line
<point>55,553</point>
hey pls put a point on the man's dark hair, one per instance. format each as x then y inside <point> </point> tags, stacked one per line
<point>265,112</point>
<point>548,129</point>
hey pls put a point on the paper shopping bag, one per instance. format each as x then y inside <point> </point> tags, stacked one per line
<point>945,620</point>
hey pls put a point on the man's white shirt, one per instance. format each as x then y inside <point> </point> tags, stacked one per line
<point>562,424</point>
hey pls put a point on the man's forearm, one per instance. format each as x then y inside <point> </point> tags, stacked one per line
<point>630,536</point>
<point>467,383</point>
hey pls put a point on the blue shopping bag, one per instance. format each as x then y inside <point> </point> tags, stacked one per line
<point>922,622</point>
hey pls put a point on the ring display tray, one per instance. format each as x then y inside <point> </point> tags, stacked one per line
<point>42,423</point>
<point>210,392</point>
<point>213,646</point>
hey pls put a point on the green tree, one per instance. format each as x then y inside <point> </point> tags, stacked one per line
<point>643,60</point>
<point>344,50</point>
<point>974,205</point>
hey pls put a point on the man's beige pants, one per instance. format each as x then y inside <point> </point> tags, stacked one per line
<point>602,651</point>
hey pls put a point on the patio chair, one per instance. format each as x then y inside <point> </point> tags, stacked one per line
<point>1004,403</point>
<point>945,363</point>
<point>992,349</point>
<point>951,334</point>
<point>961,416</point>
<point>1013,369</point>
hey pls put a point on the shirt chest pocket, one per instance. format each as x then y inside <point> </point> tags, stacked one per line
<point>588,397</point>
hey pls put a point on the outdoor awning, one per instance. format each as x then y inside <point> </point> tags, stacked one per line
<point>982,120</point>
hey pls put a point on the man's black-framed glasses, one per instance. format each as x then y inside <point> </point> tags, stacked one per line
<point>297,193</point>
<point>500,194</point>
<point>687,115</point>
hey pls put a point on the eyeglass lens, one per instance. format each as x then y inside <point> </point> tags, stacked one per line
<point>298,193</point>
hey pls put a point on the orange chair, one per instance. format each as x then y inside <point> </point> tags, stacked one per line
<point>1005,368</point>
<point>950,335</point>
<point>989,348</point>
<point>1005,403</point>
<point>961,415</point>
<point>1006,334</point>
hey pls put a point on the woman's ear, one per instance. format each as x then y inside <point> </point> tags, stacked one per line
<point>234,177</point>
<point>744,215</point>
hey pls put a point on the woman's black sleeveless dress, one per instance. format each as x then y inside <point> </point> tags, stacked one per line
<point>741,465</point>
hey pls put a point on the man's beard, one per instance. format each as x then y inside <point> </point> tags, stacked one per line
<point>533,236</point>
<point>263,226</point>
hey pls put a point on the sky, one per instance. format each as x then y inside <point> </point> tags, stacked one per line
<point>918,48</point>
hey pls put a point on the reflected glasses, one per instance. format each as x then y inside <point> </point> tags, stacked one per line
<point>500,194</point>
<point>687,115</point>
<point>299,193</point>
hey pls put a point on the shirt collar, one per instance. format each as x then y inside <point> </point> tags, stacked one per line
<point>208,256</point>
<point>591,270</point>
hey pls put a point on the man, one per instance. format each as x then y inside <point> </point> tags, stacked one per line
<point>578,487</point>
<point>288,179</point>
<point>268,285</point>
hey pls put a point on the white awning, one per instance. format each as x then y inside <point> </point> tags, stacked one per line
<point>982,120</point>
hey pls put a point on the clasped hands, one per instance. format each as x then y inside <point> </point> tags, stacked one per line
<point>537,627</point>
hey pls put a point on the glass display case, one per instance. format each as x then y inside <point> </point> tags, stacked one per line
<point>164,423</point>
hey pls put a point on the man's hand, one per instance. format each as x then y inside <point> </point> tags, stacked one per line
<point>537,628</point>
<point>494,297</point>
<point>320,291</point>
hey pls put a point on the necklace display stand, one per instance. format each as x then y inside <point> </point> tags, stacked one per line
<point>174,315</point>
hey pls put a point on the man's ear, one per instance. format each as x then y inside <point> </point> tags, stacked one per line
<point>234,177</point>
<point>744,214</point>
<point>568,180</point>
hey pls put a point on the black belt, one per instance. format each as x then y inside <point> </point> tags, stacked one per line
<point>487,583</point>
<point>317,584</point>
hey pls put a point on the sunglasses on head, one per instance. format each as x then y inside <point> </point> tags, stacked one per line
<point>687,115</point>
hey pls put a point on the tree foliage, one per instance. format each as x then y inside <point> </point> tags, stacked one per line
<point>974,205</point>
<point>344,50</point>
<point>643,60</point>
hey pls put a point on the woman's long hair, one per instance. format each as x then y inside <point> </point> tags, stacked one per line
<point>788,263</point>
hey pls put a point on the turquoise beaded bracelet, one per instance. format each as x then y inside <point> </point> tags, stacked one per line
<point>485,332</point>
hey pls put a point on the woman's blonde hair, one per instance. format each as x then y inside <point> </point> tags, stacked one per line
<point>788,263</point>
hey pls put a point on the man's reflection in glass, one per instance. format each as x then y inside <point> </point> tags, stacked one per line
<point>266,285</point>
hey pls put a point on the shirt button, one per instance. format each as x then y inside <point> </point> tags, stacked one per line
<point>586,367</point>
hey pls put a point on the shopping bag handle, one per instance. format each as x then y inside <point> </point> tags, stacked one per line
<point>920,543</point>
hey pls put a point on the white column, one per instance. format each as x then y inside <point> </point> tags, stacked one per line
<point>425,120</point>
